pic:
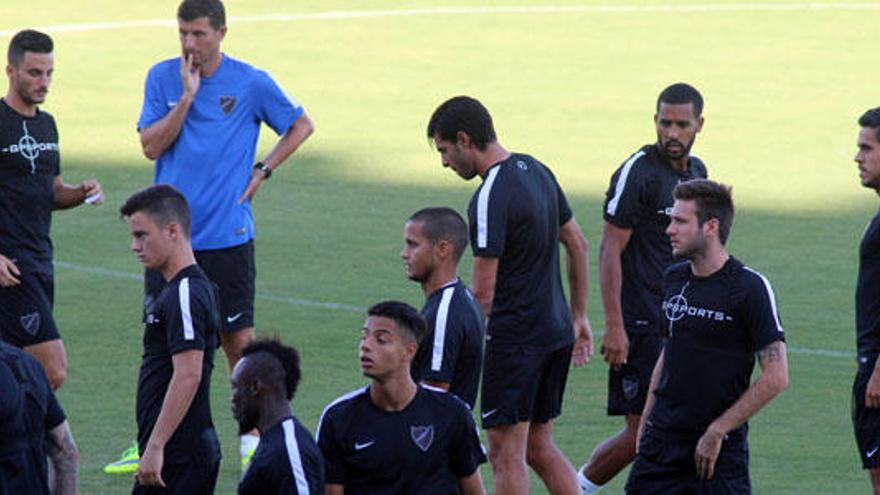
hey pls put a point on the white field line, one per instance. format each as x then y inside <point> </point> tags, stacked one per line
<point>296,301</point>
<point>429,11</point>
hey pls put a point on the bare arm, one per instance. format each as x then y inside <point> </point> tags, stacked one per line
<point>158,136</point>
<point>301,129</point>
<point>615,344</point>
<point>649,400</point>
<point>64,455</point>
<point>471,485</point>
<point>771,382</point>
<point>181,389</point>
<point>483,281</point>
<point>872,392</point>
<point>334,489</point>
<point>68,195</point>
<point>572,238</point>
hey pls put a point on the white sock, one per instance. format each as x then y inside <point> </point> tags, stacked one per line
<point>249,443</point>
<point>587,486</point>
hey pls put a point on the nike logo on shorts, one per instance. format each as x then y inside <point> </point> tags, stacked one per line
<point>362,446</point>
<point>486,414</point>
<point>869,454</point>
<point>230,319</point>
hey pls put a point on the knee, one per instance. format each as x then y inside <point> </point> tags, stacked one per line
<point>504,459</point>
<point>537,452</point>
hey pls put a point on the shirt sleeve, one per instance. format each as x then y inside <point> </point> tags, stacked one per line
<point>765,326</point>
<point>448,336</point>
<point>334,460</point>
<point>188,317</point>
<point>275,107</point>
<point>623,200</point>
<point>154,107</point>
<point>467,451</point>
<point>54,413</point>
<point>565,212</point>
<point>488,216</point>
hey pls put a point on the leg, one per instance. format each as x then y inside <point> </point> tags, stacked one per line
<point>875,479</point>
<point>507,453</point>
<point>549,462</point>
<point>53,357</point>
<point>234,342</point>
<point>614,454</point>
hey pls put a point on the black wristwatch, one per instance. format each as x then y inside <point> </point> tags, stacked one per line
<point>262,167</point>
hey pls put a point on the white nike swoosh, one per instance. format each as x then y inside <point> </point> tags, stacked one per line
<point>869,454</point>
<point>362,446</point>
<point>230,319</point>
<point>489,413</point>
<point>172,104</point>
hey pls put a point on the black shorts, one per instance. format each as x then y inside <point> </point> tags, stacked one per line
<point>866,421</point>
<point>522,384</point>
<point>26,311</point>
<point>628,385</point>
<point>233,272</point>
<point>191,478</point>
<point>665,465</point>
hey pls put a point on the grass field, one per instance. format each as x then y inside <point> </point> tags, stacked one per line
<point>573,85</point>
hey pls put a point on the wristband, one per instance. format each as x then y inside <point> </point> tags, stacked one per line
<point>262,167</point>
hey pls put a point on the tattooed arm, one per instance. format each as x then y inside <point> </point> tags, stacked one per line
<point>772,381</point>
<point>64,455</point>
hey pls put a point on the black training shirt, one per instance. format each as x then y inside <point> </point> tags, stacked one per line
<point>425,448</point>
<point>29,162</point>
<point>184,316</point>
<point>715,325</point>
<point>286,462</point>
<point>639,199</point>
<point>868,291</point>
<point>452,349</point>
<point>515,217</point>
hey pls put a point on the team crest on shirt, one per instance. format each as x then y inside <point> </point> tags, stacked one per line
<point>31,323</point>
<point>423,436</point>
<point>227,103</point>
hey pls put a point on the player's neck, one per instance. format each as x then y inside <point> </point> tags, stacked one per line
<point>19,105</point>
<point>493,154</point>
<point>710,261</point>
<point>275,413</point>
<point>177,262</point>
<point>394,394</point>
<point>438,278</point>
<point>207,70</point>
<point>680,164</point>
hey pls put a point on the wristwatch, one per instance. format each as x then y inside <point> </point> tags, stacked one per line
<point>262,167</point>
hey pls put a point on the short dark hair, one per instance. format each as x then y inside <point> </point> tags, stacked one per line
<point>162,203</point>
<point>682,94</point>
<point>713,200</point>
<point>191,10</point>
<point>287,357</point>
<point>27,41</point>
<point>405,316</point>
<point>443,224</point>
<point>465,114</point>
<point>871,119</point>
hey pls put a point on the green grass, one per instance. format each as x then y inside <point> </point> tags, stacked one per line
<point>783,89</point>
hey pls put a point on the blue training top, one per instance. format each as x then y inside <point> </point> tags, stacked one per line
<point>210,162</point>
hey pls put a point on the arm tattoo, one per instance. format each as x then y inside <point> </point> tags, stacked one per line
<point>62,450</point>
<point>772,352</point>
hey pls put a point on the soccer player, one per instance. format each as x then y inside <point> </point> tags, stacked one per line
<point>450,355</point>
<point>30,188</point>
<point>32,426</point>
<point>518,216</point>
<point>178,446</point>
<point>866,388</point>
<point>396,436</point>
<point>719,314</point>
<point>200,122</point>
<point>287,461</point>
<point>633,253</point>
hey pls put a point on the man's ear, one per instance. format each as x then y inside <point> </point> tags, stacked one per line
<point>463,139</point>
<point>443,249</point>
